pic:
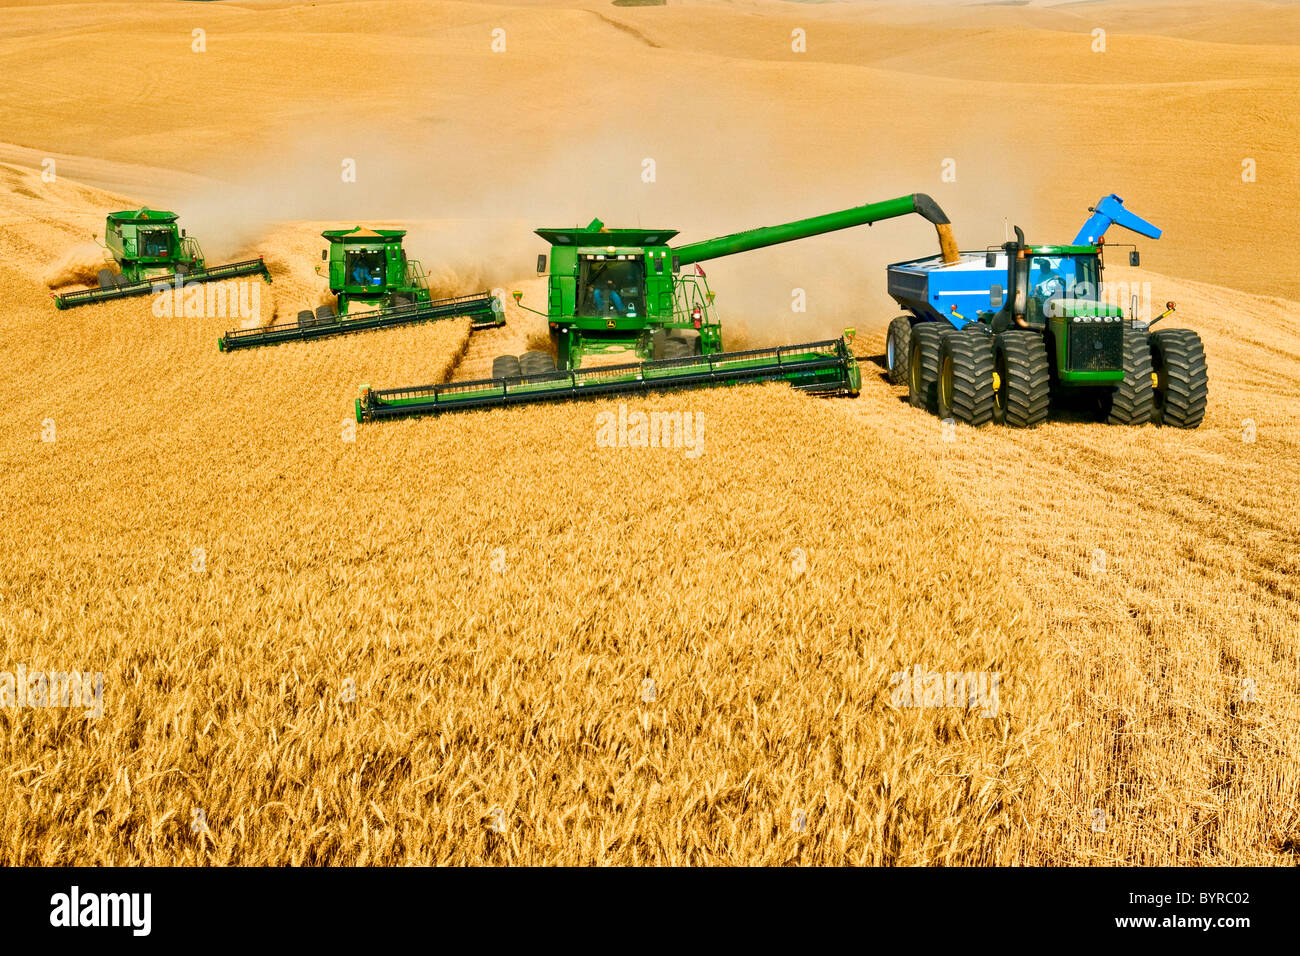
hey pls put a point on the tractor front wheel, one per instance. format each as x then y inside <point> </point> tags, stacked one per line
<point>1131,402</point>
<point>1022,379</point>
<point>965,386</point>
<point>923,364</point>
<point>1181,380</point>
<point>898,345</point>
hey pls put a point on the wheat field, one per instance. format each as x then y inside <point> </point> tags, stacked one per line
<point>486,639</point>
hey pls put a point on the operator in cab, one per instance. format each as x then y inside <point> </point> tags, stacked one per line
<point>608,299</point>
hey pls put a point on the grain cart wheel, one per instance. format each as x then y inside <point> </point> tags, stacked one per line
<point>1132,401</point>
<point>306,318</point>
<point>106,279</point>
<point>898,343</point>
<point>506,366</point>
<point>965,386</point>
<point>534,362</point>
<point>1022,379</point>
<point>1181,380</point>
<point>923,364</point>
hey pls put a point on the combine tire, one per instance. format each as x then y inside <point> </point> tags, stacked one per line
<point>923,364</point>
<point>1133,400</point>
<point>1182,382</point>
<point>898,344</point>
<point>534,362</point>
<point>693,341</point>
<point>106,279</point>
<point>306,319</point>
<point>506,366</point>
<point>325,315</point>
<point>676,348</point>
<point>965,385</point>
<point>1022,379</point>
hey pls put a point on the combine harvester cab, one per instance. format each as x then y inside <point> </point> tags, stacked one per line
<point>151,252</point>
<point>1006,332</point>
<point>615,292</point>
<point>375,286</point>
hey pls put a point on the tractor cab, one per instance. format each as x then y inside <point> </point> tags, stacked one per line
<point>1057,290</point>
<point>1063,281</point>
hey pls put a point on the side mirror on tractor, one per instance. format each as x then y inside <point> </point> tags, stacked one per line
<point>995,296</point>
<point>541,264</point>
<point>677,264</point>
<point>990,260</point>
<point>324,254</point>
<point>1134,259</point>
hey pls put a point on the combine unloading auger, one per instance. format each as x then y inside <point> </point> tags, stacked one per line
<point>152,254</point>
<point>369,267</point>
<point>622,291</point>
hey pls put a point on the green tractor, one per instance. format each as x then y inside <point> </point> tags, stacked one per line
<point>1004,334</point>
<point>375,286</point>
<point>151,252</point>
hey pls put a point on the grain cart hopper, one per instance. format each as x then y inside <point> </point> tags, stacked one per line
<point>1005,333</point>
<point>622,291</point>
<point>375,286</point>
<point>150,252</point>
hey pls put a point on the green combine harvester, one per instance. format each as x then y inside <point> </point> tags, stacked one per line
<point>375,287</point>
<point>152,252</point>
<point>622,291</point>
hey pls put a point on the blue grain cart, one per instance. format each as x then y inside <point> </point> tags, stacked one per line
<point>1006,332</point>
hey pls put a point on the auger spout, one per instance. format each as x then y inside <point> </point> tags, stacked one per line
<point>917,203</point>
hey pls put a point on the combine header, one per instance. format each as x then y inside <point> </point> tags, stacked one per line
<point>1005,333</point>
<point>151,253</point>
<point>375,286</point>
<point>622,291</point>
<point>820,367</point>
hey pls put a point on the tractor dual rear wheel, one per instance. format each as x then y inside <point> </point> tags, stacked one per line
<point>1180,379</point>
<point>923,364</point>
<point>898,345</point>
<point>966,376</point>
<point>1022,379</point>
